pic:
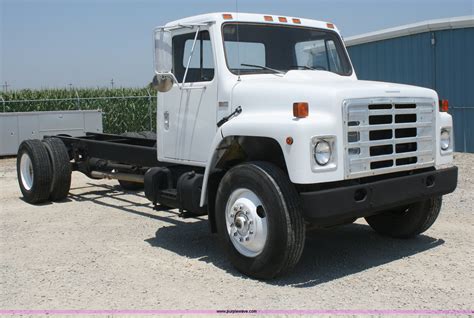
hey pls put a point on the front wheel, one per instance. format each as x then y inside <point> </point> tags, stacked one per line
<point>259,220</point>
<point>407,221</point>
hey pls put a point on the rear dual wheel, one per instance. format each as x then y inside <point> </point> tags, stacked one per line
<point>43,170</point>
<point>61,168</point>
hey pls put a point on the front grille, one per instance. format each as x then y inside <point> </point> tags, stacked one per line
<point>388,135</point>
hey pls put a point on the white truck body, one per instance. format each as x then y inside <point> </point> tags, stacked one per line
<point>193,109</point>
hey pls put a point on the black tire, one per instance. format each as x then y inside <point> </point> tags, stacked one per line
<point>35,185</point>
<point>131,186</point>
<point>61,168</point>
<point>285,225</point>
<point>407,221</point>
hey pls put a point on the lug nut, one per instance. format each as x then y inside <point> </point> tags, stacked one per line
<point>232,215</point>
<point>235,208</point>
<point>251,232</point>
<point>247,238</point>
<point>241,239</point>
<point>235,233</point>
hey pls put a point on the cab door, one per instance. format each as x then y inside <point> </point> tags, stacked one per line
<point>187,113</point>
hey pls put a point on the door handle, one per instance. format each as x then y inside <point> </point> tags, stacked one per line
<point>166,119</point>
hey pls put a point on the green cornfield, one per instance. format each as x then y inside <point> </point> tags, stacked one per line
<point>124,109</point>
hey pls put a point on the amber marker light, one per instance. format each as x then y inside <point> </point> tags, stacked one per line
<point>297,21</point>
<point>444,105</point>
<point>227,16</point>
<point>330,25</point>
<point>300,110</point>
<point>289,140</point>
<point>268,18</point>
<point>282,19</point>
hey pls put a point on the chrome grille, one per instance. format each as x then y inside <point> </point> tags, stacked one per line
<point>388,135</point>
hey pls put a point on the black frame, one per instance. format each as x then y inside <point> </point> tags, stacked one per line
<point>130,151</point>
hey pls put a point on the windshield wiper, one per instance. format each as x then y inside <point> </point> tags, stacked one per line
<point>263,68</point>
<point>303,67</point>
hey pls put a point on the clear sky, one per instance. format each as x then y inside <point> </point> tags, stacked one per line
<point>51,43</point>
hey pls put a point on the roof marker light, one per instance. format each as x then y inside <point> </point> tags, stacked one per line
<point>297,21</point>
<point>227,16</point>
<point>330,25</point>
<point>268,18</point>
<point>282,19</point>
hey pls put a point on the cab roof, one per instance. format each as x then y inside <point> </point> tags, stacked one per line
<point>221,17</point>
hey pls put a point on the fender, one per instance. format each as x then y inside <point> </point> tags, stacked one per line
<point>277,126</point>
<point>250,125</point>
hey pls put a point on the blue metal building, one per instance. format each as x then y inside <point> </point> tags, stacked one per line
<point>437,54</point>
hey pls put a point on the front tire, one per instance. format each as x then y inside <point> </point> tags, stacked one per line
<point>407,221</point>
<point>259,220</point>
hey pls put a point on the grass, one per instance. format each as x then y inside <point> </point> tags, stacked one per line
<point>124,109</point>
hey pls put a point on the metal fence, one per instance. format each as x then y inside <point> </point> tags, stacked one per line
<point>120,113</point>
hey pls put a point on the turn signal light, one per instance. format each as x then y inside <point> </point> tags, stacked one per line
<point>300,110</point>
<point>268,18</point>
<point>227,16</point>
<point>444,105</point>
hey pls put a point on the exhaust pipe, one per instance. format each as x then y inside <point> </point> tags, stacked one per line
<point>138,178</point>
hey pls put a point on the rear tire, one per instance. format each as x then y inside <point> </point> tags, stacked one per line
<point>34,171</point>
<point>61,168</point>
<point>259,220</point>
<point>408,221</point>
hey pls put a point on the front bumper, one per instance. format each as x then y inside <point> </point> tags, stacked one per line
<point>339,204</point>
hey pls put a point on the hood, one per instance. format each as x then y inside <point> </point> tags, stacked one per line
<point>320,88</point>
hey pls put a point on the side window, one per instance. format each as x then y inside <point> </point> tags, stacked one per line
<point>201,68</point>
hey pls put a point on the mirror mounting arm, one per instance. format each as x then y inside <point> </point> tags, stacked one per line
<point>191,55</point>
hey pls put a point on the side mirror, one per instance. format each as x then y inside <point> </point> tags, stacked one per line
<point>162,82</point>
<point>164,78</point>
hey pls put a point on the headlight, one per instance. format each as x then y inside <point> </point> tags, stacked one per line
<point>445,139</point>
<point>322,152</point>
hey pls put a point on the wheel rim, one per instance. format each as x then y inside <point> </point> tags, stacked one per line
<point>246,222</point>
<point>26,171</point>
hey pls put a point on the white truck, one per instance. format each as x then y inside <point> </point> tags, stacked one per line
<point>264,127</point>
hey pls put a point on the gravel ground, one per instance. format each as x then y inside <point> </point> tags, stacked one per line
<point>106,249</point>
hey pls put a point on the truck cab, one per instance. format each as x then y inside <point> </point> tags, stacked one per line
<point>240,88</point>
<point>263,126</point>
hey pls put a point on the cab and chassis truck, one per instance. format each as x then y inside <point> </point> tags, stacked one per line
<point>263,126</point>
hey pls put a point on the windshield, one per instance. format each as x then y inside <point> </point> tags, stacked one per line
<point>264,48</point>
